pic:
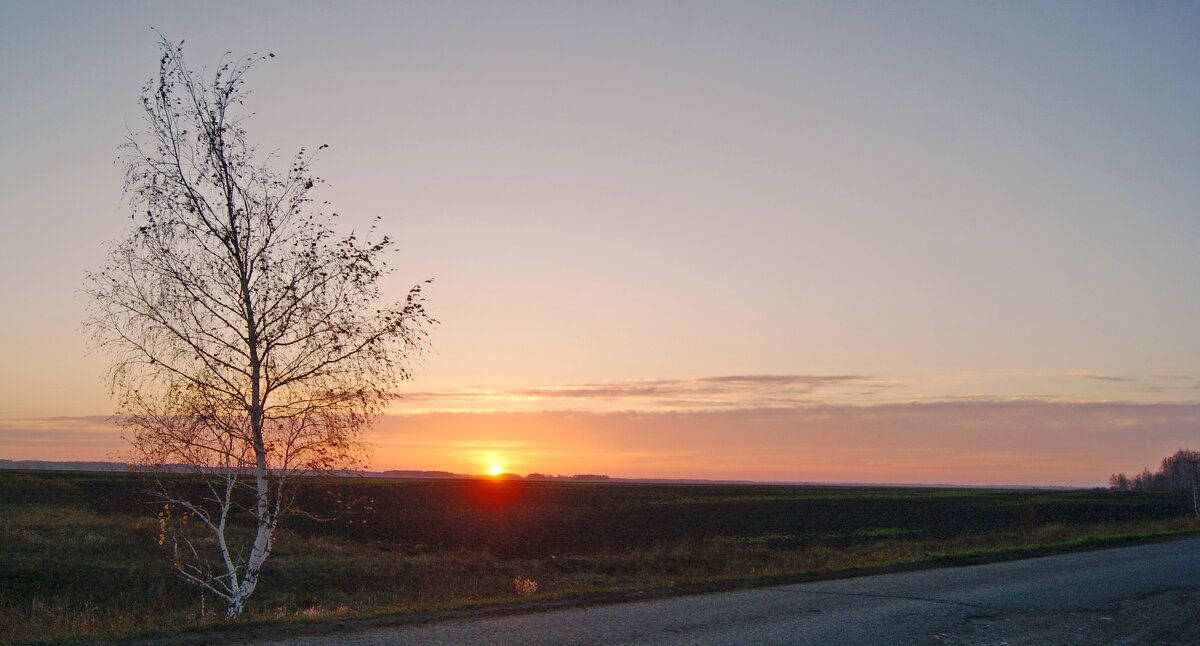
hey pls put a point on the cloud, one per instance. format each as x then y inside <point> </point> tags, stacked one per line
<point>732,391</point>
<point>60,438</point>
<point>799,384</point>
<point>742,391</point>
<point>1086,374</point>
<point>805,380</point>
<point>1171,381</point>
<point>959,442</point>
<point>1173,384</point>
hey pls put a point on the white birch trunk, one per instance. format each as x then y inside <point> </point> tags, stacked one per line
<point>247,333</point>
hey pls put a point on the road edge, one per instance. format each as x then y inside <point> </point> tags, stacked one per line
<point>261,631</point>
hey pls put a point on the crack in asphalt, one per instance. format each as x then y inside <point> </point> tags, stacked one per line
<point>948,602</point>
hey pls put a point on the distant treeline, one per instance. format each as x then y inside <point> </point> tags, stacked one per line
<point>48,465</point>
<point>1178,473</point>
<point>578,476</point>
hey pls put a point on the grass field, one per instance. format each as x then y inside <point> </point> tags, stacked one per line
<point>79,555</point>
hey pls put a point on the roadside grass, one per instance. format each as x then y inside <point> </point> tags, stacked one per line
<point>71,573</point>
<point>68,572</point>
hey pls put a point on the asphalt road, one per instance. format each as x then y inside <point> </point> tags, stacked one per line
<point>926,607</point>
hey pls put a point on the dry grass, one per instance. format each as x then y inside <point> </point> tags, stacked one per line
<point>524,587</point>
<point>70,572</point>
<point>67,572</point>
<point>690,562</point>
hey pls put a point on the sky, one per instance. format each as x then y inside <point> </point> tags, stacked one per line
<point>920,242</point>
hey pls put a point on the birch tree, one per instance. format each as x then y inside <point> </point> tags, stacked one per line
<point>249,339</point>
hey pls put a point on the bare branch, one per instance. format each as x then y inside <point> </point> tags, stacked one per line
<point>248,340</point>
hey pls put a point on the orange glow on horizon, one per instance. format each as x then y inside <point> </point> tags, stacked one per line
<point>961,442</point>
<point>495,470</point>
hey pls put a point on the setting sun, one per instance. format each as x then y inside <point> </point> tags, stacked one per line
<point>495,470</point>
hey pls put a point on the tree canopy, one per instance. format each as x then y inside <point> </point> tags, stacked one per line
<point>249,336</point>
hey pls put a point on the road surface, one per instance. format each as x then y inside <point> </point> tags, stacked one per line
<point>1147,594</point>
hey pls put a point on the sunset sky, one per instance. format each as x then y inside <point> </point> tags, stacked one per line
<point>944,242</point>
